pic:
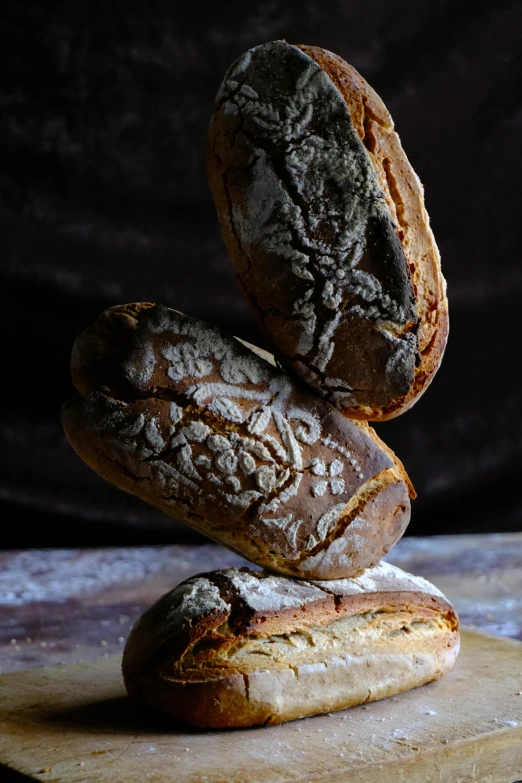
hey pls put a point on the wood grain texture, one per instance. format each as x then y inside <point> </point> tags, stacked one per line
<point>67,605</point>
<point>75,724</point>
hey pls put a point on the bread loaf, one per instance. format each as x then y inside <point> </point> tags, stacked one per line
<point>324,219</point>
<point>240,647</point>
<point>209,430</point>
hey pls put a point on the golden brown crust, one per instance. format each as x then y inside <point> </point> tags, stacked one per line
<point>200,426</point>
<point>237,648</point>
<point>399,467</point>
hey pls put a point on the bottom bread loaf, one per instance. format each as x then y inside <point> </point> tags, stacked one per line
<point>241,647</point>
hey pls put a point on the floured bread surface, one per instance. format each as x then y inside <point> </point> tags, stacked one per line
<point>324,220</point>
<point>240,647</point>
<point>199,425</point>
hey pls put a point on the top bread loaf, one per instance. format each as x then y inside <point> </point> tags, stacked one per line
<point>324,219</point>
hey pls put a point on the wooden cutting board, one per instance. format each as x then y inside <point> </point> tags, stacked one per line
<point>74,724</point>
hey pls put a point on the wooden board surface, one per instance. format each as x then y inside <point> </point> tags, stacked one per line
<point>74,724</point>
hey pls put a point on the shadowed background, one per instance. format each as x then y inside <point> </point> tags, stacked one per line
<point>104,110</point>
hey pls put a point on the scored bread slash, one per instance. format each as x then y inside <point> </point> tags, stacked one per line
<point>324,220</point>
<point>240,647</point>
<point>201,426</point>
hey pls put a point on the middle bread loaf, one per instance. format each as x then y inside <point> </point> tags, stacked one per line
<point>210,430</point>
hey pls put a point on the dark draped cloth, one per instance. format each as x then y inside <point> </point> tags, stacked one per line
<point>103,122</point>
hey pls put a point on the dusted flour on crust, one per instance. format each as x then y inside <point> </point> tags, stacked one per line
<point>322,250</point>
<point>267,648</point>
<point>196,423</point>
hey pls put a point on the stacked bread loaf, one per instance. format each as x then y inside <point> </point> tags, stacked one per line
<point>325,222</point>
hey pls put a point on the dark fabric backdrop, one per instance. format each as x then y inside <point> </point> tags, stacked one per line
<point>103,122</point>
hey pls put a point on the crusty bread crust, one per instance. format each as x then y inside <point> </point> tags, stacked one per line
<point>239,648</point>
<point>200,426</point>
<point>404,196</point>
<point>324,220</point>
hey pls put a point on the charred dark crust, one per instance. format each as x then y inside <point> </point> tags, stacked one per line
<point>380,367</point>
